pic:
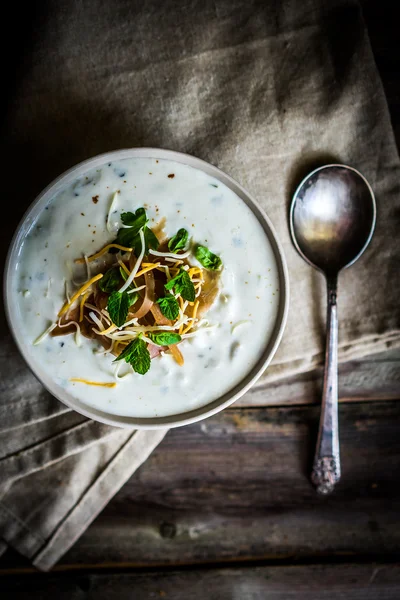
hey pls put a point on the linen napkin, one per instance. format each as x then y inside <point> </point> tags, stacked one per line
<point>266,90</point>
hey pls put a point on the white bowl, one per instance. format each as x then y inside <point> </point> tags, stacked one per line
<point>157,422</point>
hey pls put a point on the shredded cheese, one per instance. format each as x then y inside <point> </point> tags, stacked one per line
<point>118,366</point>
<point>97,321</point>
<point>137,289</point>
<point>110,349</point>
<point>170,254</point>
<point>78,340</point>
<point>123,266</point>
<point>238,324</point>
<point>105,331</point>
<point>131,332</point>
<point>113,200</point>
<point>88,272</point>
<point>147,269</point>
<point>44,334</point>
<point>195,307</point>
<point>47,293</point>
<point>177,354</point>
<point>84,298</point>
<point>103,313</point>
<point>98,383</point>
<point>194,270</point>
<point>137,265</point>
<point>83,289</point>
<point>101,252</point>
<point>67,291</point>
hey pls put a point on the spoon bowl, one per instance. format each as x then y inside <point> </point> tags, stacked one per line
<point>332,219</point>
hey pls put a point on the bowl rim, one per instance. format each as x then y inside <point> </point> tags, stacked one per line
<point>180,419</point>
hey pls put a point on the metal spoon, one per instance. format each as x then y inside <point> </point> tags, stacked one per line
<point>332,219</point>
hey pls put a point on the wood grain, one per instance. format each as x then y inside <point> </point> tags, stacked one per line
<point>373,378</point>
<point>338,582</point>
<point>236,487</point>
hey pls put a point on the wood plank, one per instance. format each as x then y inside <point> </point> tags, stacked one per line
<point>313,582</point>
<point>236,487</point>
<point>374,378</point>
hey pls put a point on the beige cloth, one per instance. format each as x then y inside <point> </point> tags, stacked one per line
<point>266,90</point>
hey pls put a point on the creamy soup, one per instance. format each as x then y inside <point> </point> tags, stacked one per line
<point>78,221</point>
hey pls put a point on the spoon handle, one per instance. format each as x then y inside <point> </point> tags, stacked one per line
<point>326,468</point>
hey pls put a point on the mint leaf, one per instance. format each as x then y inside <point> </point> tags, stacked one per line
<point>135,220</point>
<point>150,239</point>
<point>182,284</point>
<point>129,236</point>
<point>126,236</point>
<point>137,355</point>
<point>123,274</point>
<point>171,283</point>
<point>185,287</point>
<point>208,259</point>
<point>118,307</point>
<point>178,241</point>
<point>169,307</point>
<point>132,298</point>
<point>126,353</point>
<point>140,357</point>
<point>164,338</point>
<point>110,281</point>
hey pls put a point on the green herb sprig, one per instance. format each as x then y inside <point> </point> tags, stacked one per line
<point>207,258</point>
<point>118,307</point>
<point>164,338</point>
<point>110,281</point>
<point>169,306</point>
<point>137,355</point>
<point>182,284</point>
<point>129,236</point>
<point>178,241</point>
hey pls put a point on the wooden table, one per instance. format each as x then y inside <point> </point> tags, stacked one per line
<point>224,508</point>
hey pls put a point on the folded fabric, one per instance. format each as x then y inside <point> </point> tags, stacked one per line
<point>266,90</point>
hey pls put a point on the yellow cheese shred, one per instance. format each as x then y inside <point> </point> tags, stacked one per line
<point>105,331</point>
<point>177,354</point>
<point>147,269</point>
<point>79,293</point>
<point>195,307</point>
<point>98,383</point>
<point>193,270</point>
<point>84,298</point>
<point>102,251</point>
<point>124,267</point>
